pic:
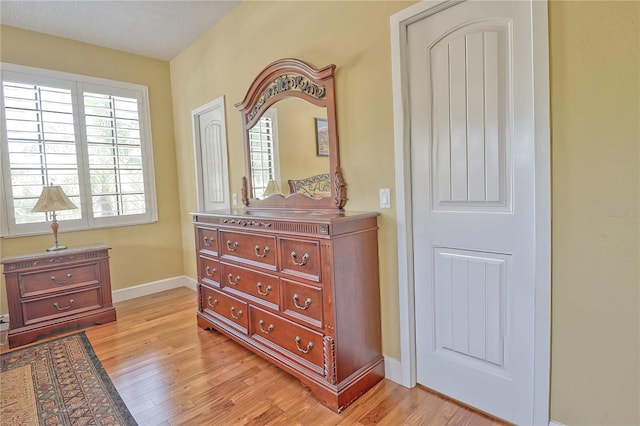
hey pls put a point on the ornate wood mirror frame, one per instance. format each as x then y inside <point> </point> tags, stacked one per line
<point>292,78</point>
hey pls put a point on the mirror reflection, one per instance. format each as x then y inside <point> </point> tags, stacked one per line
<point>289,151</point>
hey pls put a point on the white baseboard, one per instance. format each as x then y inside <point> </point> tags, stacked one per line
<point>153,287</point>
<point>554,423</point>
<point>393,369</point>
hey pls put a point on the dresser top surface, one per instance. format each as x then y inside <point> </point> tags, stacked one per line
<point>297,215</point>
<point>49,254</point>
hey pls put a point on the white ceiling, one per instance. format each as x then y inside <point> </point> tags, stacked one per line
<point>155,28</point>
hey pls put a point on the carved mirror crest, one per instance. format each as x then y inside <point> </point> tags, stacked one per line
<point>291,139</point>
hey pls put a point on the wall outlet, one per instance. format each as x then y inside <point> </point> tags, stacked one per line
<point>385,198</point>
<point>235,200</point>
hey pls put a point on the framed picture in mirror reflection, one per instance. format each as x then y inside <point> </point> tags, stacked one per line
<point>322,137</point>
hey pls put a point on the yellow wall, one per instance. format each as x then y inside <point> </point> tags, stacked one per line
<point>595,95</point>
<point>142,253</point>
<point>297,141</point>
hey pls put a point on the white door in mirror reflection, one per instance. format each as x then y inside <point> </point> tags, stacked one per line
<point>263,149</point>
<point>210,143</point>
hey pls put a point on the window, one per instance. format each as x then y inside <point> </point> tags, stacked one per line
<point>90,136</point>
<point>263,144</point>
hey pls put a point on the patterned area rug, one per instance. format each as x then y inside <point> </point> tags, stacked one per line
<point>60,382</point>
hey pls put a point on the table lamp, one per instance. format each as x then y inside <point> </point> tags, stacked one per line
<point>51,200</point>
<point>272,188</point>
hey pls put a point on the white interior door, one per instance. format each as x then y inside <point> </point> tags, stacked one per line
<point>470,77</point>
<point>210,143</point>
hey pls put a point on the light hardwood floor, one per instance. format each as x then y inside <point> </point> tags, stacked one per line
<point>170,372</point>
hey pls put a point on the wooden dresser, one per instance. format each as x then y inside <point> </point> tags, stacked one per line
<point>52,290</point>
<point>299,289</point>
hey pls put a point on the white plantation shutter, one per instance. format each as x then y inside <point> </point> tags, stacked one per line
<point>41,146</point>
<point>91,136</point>
<point>115,155</point>
<point>263,142</point>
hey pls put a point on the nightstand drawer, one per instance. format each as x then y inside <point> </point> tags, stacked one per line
<point>48,308</point>
<point>56,280</point>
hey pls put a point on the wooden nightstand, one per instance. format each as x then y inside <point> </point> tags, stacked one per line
<point>57,289</point>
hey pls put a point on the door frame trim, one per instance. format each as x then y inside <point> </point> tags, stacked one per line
<point>402,146</point>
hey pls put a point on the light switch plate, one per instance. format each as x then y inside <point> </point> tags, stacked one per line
<point>385,198</point>
<point>235,199</point>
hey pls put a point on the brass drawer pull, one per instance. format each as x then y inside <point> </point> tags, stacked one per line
<point>210,271</point>
<point>233,310</point>
<point>235,245</point>
<point>53,278</point>
<point>305,257</point>
<point>207,241</point>
<point>55,305</point>
<point>231,280</point>
<point>268,330</point>
<point>264,252</point>
<point>304,351</point>
<point>267,290</point>
<point>306,302</point>
<point>215,302</point>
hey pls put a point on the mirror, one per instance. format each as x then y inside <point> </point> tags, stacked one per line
<point>291,143</point>
<point>287,145</point>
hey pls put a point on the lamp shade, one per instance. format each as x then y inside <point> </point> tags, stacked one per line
<point>52,199</point>
<point>272,188</point>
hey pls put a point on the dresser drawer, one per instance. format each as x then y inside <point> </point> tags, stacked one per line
<point>302,302</point>
<point>244,282</point>
<point>48,308</point>
<point>234,311</point>
<point>258,250</point>
<point>57,280</point>
<point>207,240</point>
<point>209,271</point>
<point>287,336</point>
<point>301,258</point>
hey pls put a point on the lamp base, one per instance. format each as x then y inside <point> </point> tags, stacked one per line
<point>56,248</point>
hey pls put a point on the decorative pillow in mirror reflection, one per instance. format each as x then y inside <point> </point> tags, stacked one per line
<point>317,186</point>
